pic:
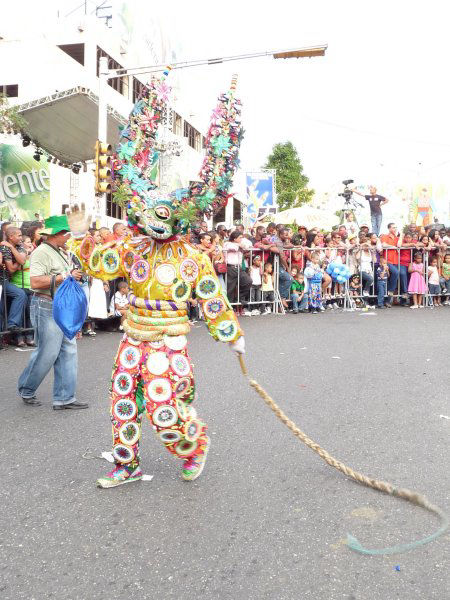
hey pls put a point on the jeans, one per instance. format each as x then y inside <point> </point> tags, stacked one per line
<point>53,350</point>
<point>376,222</point>
<point>367,281</point>
<point>403,279</point>
<point>284,283</point>
<point>393,278</point>
<point>303,302</point>
<point>381,291</point>
<point>18,302</point>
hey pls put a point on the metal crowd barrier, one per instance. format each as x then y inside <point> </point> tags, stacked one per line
<point>334,293</point>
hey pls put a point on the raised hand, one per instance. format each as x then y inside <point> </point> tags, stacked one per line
<point>78,221</point>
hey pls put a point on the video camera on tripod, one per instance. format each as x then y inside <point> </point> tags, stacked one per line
<point>347,194</point>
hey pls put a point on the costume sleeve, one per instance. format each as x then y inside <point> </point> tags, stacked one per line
<point>219,315</point>
<point>105,262</point>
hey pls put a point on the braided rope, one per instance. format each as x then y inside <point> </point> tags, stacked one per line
<point>377,484</point>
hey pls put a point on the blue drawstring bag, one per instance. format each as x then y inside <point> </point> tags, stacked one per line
<point>70,307</point>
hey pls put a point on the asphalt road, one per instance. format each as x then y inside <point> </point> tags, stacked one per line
<point>268,519</point>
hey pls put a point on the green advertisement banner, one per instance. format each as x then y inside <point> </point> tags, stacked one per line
<point>24,185</point>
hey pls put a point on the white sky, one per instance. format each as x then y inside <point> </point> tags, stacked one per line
<point>374,108</point>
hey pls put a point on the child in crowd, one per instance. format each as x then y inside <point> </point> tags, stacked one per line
<point>417,286</point>
<point>445,279</point>
<point>382,277</point>
<point>121,301</point>
<point>315,285</point>
<point>267,287</point>
<point>255,272</point>
<point>433,281</point>
<point>299,300</point>
<point>354,289</point>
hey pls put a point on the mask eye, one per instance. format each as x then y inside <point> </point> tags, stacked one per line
<point>162,212</point>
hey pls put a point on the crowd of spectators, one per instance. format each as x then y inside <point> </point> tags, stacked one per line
<point>405,268</point>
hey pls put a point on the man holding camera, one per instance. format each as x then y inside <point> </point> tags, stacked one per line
<point>375,202</point>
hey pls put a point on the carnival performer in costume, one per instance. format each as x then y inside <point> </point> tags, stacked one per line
<point>152,371</point>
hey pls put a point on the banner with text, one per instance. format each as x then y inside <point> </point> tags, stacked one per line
<point>24,185</point>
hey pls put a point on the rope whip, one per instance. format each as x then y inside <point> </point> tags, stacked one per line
<point>381,486</point>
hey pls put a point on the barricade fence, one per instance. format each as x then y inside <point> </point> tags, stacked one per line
<point>362,261</point>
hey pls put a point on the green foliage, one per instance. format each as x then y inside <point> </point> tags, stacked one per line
<point>291,183</point>
<point>10,119</point>
<point>122,195</point>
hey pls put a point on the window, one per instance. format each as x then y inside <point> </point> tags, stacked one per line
<point>76,51</point>
<point>113,209</point>
<point>120,84</point>
<point>139,89</point>
<point>177,124</point>
<point>10,91</point>
<point>193,136</point>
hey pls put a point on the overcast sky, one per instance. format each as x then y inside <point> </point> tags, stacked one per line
<point>374,108</point>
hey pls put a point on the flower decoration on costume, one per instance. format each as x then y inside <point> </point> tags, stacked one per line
<point>111,261</point>
<point>214,307</point>
<point>189,270</point>
<point>207,287</point>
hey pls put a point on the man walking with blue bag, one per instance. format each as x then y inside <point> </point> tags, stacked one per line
<point>49,267</point>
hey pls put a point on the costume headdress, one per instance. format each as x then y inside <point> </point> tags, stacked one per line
<point>136,157</point>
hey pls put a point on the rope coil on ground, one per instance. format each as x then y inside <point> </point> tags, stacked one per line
<point>376,484</point>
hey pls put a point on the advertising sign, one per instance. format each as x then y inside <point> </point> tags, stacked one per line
<point>24,185</point>
<point>261,197</point>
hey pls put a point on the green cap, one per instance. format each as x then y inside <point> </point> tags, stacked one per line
<point>56,224</point>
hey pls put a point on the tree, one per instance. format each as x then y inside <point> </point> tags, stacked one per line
<point>10,120</point>
<point>291,186</point>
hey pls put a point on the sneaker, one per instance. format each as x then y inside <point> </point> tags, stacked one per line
<point>388,305</point>
<point>194,465</point>
<point>267,310</point>
<point>255,312</point>
<point>413,306</point>
<point>321,308</point>
<point>247,313</point>
<point>365,293</point>
<point>295,312</point>
<point>91,332</point>
<point>119,475</point>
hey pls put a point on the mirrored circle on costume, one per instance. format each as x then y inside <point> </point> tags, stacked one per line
<point>140,270</point>
<point>214,307</point>
<point>189,270</point>
<point>124,409</point>
<point>207,287</point>
<point>159,389</point>
<point>128,260</point>
<point>157,344</point>
<point>170,436</point>
<point>87,247</point>
<point>175,342</point>
<point>130,357</point>
<point>129,433</point>
<point>192,429</point>
<point>182,387</point>
<point>182,409</point>
<point>165,274</point>
<point>180,365</point>
<point>181,291</point>
<point>131,340</point>
<point>165,416</point>
<point>111,261</point>
<point>226,331</point>
<point>157,363</point>
<point>123,454</point>
<point>185,448</point>
<point>122,384</point>
<point>94,261</point>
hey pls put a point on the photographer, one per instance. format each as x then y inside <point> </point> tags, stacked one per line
<point>375,202</point>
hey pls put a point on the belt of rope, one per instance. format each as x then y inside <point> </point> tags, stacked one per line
<point>376,484</point>
<point>144,312</point>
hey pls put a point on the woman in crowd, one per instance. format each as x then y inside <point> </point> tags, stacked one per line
<point>315,242</point>
<point>365,259</point>
<point>237,278</point>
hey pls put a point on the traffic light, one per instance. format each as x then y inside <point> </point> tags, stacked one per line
<point>103,153</point>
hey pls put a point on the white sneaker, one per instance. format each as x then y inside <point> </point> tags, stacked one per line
<point>267,310</point>
<point>255,312</point>
<point>247,313</point>
<point>366,293</point>
<point>321,308</point>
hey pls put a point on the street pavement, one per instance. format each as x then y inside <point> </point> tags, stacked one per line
<point>268,518</point>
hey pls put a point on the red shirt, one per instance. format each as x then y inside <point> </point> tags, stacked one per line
<point>391,255</point>
<point>406,256</point>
